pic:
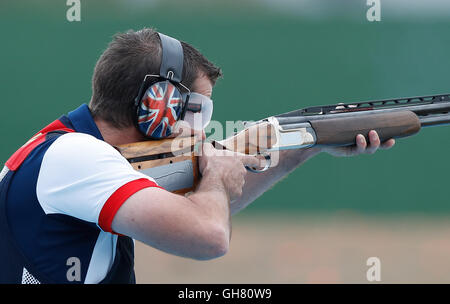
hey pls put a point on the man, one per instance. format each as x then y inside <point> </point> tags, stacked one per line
<point>70,204</point>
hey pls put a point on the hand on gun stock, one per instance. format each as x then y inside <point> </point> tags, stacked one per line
<point>361,146</point>
<point>227,167</point>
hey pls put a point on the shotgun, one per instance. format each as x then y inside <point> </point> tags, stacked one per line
<point>173,162</point>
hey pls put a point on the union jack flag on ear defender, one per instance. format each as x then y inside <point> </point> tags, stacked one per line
<point>159,110</point>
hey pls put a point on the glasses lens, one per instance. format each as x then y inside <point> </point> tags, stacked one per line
<point>199,111</point>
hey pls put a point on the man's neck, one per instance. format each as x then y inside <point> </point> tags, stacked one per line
<point>116,137</point>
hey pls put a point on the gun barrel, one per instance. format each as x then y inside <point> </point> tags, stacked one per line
<point>434,120</point>
<point>419,110</point>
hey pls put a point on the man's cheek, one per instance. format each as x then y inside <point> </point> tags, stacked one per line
<point>181,128</point>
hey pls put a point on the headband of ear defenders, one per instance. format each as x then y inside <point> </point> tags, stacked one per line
<point>172,58</point>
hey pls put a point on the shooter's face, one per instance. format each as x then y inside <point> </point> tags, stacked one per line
<point>194,122</point>
<point>182,128</point>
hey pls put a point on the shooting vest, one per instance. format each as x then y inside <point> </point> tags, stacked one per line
<point>15,266</point>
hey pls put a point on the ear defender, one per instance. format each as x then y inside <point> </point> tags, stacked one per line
<point>159,110</point>
<point>160,105</point>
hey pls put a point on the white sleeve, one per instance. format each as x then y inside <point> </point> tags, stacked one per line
<point>86,178</point>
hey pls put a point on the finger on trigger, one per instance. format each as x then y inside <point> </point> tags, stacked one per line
<point>250,160</point>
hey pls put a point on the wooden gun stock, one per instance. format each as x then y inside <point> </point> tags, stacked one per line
<point>252,140</point>
<point>171,162</point>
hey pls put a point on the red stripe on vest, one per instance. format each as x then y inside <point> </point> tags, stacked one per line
<point>20,155</point>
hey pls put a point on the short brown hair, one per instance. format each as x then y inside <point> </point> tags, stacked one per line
<point>121,68</point>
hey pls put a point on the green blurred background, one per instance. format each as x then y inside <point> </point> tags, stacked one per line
<point>276,56</point>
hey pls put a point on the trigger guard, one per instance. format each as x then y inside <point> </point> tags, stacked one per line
<point>266,167</point>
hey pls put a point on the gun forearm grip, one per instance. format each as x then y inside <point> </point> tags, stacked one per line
<point>342,131</point>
